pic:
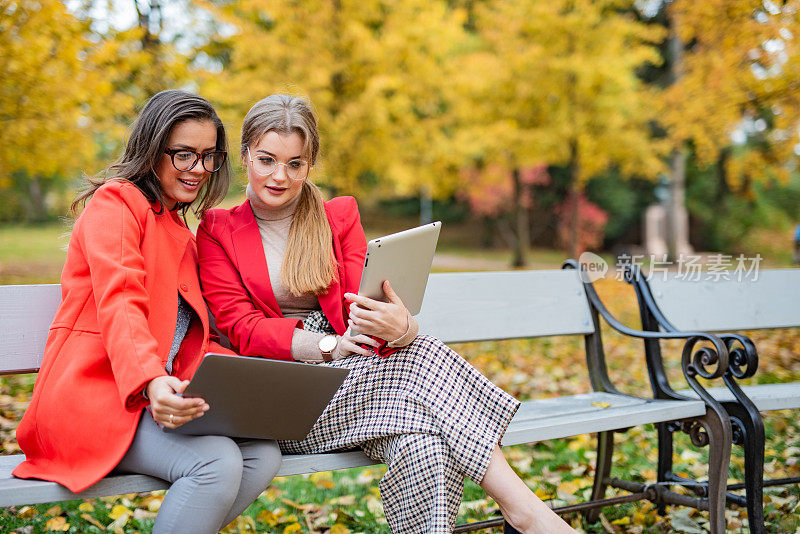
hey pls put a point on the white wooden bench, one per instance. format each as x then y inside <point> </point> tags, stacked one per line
<point>728,302</point>
<point>458,307</point>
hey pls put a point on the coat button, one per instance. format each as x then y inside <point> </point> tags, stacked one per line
<point>184,287</point>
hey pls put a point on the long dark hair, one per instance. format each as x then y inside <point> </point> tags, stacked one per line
<point>148,139</point>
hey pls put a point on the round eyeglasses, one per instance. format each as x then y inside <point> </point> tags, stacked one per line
<point>264,165</point>
<point>184,159</point>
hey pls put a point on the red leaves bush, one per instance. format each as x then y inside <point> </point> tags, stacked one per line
<point>591,223</point>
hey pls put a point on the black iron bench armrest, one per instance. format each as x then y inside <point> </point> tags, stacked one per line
<point>707,362</point>
<point>743,360</point>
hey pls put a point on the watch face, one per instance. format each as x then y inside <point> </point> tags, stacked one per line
<point>327,343</point>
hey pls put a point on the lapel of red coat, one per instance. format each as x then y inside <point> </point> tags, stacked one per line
<point>252,265</point>
<point>250,259</point>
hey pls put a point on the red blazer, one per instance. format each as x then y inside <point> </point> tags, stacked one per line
<point>236,283</point>
<point>111,335</point>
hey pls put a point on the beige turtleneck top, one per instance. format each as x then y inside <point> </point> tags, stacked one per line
<point>273,225</point>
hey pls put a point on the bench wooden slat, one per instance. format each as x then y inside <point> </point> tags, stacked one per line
<point>766,397</point>
<point>504,305</point>
<point>25,315</point>
<point>768,301</point>
<point>587,413</point>
<point>14,490</point>
<point>458,307</point>
<point>536,420</point>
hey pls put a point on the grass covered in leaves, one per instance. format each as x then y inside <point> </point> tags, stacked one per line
<point>560,471</point>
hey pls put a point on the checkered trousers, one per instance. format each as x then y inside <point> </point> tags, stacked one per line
<point>426,413</point>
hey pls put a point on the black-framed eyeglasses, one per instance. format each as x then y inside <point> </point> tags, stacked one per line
<point>184,159</point>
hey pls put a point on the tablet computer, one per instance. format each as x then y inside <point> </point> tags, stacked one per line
<point>260,398</point>
<point>405,260</point>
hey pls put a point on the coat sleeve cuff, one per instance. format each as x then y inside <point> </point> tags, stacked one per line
<point>384,349</point>
<point>410,334</point>
<point>134,398</point>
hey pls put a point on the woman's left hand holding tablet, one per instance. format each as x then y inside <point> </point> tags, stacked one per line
<point>386,320</point>
<point>169,409</point>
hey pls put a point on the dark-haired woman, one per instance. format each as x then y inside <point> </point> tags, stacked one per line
<point>132,328</point>
<point>280,273</point>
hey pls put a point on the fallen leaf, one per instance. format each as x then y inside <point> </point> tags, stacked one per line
<point>140,514</point>
<point>55,510</point>
<point>681,522</point>
<point>57,524</point>
<point>267,517</point>
<point>120,521</point>
<point>344,500</point>
<point>26,512</point>
<point>302,507</point>
<point>93,521</point>
<point>118,511</point>
<point>606,525</point>
<point>374,506</point>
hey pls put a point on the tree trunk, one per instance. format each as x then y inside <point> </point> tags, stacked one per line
<point>38,212</point>
<point>677,220</point>
<point>722,176</point>
<point>677,226</point>
<point>488,231</point>
<point>425,205</point>
<point>521,237</point>
<point>572,196</point>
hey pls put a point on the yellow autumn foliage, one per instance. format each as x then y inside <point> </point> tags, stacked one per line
<point>739,75</point>
<point>376,72</point>
<point>556,83</point>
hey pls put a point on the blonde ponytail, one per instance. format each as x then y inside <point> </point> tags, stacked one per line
<point>309,265</point>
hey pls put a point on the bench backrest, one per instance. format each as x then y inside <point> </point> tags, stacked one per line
<point>25,316</point>
<point>457,307</point>
<point>769,300</point>
<point>504,305</point>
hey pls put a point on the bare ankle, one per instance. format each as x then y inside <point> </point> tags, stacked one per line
<point>522,520</point>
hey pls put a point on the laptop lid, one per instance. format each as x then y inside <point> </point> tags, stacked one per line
<point>260,398</point>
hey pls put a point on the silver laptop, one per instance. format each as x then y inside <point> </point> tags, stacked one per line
<point>260,398</point>
<point>405,260</point>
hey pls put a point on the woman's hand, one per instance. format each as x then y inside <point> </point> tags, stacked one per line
<point>171,410</point>
<point>349,344</point>
<point>386,320</point>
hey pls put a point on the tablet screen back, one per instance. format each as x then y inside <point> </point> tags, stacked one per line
<point>260,398</point>
<point>405,260</point>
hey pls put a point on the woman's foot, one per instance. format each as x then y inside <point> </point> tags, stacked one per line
<point>508,529</point>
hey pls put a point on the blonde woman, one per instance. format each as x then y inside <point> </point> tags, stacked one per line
<point>280,273</point>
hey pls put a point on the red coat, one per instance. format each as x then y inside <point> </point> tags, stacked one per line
<point>111,335</point>
<point>236,283</point>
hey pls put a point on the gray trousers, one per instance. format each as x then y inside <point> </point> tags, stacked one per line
<point>214,478</point>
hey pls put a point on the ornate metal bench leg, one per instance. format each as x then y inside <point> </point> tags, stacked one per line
<point>605,450</point>
<point>751,429</point>
<point>718,427</point>
<point>665,448</point>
